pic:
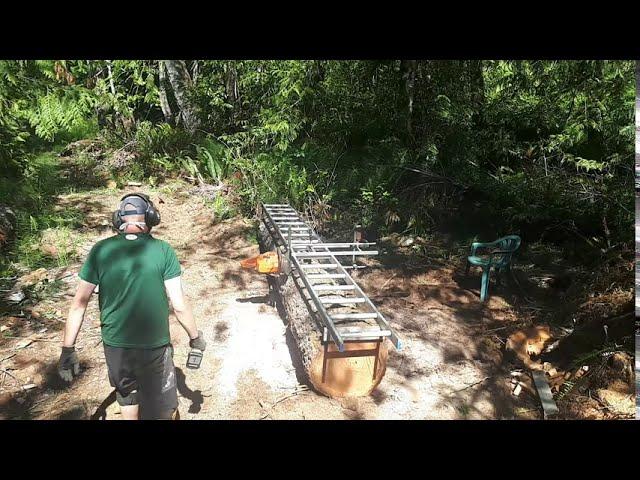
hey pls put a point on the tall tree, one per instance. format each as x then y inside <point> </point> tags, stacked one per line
<point>231,87</point>
<point>162,93</point>
<point>181,83</point>
<point>410,83</point>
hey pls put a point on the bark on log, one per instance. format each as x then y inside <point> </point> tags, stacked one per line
<point>350,376</point>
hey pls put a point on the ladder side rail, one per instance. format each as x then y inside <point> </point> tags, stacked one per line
<point>323,312</point>
<point>381,320</point>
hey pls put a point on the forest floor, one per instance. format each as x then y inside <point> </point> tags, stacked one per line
<point>453,366</point>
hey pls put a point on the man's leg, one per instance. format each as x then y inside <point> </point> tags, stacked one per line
<point>121,367</point>
<point>158,391</point>
<point>129,412</point>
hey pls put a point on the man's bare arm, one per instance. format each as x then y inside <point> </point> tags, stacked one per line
<point>181,306</point>
<point>76,313</point>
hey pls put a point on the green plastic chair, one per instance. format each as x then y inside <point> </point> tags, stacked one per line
<point>498,256</point>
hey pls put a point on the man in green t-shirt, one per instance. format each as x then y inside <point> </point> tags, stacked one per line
<point>136,275</point>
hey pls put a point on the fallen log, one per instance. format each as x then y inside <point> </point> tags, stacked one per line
<point>353,373</point>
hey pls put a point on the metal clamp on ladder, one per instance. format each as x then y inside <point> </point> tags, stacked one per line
<point>326,279</point>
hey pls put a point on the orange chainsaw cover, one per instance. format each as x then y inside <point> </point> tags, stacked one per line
<point>264,263</point>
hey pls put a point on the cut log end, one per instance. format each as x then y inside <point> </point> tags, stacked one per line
<point>348,375</point>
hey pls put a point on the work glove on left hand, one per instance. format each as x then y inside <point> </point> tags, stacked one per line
<point>69,365</point>
<point>198,342</point>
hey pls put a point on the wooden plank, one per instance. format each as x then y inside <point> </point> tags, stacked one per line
<point>549,406</point>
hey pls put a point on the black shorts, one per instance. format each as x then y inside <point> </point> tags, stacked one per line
<point>144,377</point>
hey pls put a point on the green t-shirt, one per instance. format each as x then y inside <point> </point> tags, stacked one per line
<point>134,310</point>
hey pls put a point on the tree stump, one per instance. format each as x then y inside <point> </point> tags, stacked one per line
<point>332,373</point>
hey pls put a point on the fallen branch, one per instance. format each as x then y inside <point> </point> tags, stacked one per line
<point>303,388</point>
<point>32,339</point>
<point>11,375</point>
<point>471,385</point>
<point>386,283</point>
<point>8,357</point>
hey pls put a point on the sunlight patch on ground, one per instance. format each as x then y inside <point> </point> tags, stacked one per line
<point>256,341</point>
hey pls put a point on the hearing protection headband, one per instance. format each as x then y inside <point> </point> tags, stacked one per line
<point>151,214</point>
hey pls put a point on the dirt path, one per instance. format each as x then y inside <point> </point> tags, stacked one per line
<point>249,371</point>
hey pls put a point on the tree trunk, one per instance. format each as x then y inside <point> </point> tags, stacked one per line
<point>195,69</point>
<point>637,115</point>
<point>231,88</point>
<point>346,376</point>
<point>162,93</point>
<point>110,76</point>
<point>181,83</point>
<point>410,83</point>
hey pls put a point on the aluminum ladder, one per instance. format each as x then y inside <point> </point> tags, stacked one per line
<point>316,260</point>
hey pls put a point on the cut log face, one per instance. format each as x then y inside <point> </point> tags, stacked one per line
<point>346,374</point>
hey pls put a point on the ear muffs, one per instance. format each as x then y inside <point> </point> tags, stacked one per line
<point>151,215</point>
<point>116,219</point>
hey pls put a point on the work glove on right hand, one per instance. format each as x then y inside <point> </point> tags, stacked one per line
<point>69,365</point>
<point>198,342</point>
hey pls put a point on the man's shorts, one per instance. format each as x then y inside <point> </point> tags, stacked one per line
<point>144,377</point>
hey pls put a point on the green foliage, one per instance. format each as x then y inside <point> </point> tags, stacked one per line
<point>398,144</point>
<point>212,157</point>
<point>221,208</point>
<point>33,200</point>
<point>55,113</point>
<point>161,139</point>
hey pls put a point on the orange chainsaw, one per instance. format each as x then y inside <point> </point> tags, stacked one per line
<point>267,263</point>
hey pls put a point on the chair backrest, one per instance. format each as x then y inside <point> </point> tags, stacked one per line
<point>510,244</point>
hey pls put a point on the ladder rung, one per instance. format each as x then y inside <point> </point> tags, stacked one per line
<point>331,254</point>
<point>343,245</point>
<point>317,276</point>
<point>319,265</point>
<point>289,223</point>
<point>354,316</point>
<point>318,288</point>
<point>298,242</point>
<point>366,334</point>
<point>342,300</point>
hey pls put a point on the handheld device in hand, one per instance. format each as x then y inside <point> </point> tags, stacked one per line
<point>194,358</point>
